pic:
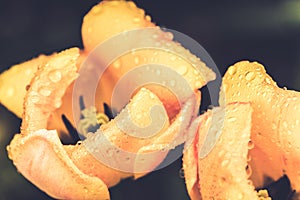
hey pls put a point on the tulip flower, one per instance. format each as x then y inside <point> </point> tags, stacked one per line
<point>49,152</point>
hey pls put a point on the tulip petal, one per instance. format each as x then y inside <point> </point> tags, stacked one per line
<point>157,145</point>
<point>222,172</point>
<point>275,121</point>
<point>40,157</point>
<point>14,81</point>
<point>47,88</point>
<point>167,54</point>
<point>119,16</point>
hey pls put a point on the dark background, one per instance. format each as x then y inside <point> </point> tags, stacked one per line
<point>265,31</point>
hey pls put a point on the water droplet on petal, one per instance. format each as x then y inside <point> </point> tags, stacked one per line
<point>148,18</point>
<point>117,64</point>
<point>249,170</point>
<point>169,36</point>
<point>285,124</point>
<point>57,103</point>
<point>250,76</point>
<point>268,81</point>
<point>136,60</point>
<point>182,69</point>
<point>232,70</point>
<point>250,145</point>
<point>34,97</point>
<point>181,173</point>
<point>55,76</point>
<point>44,91</point>
<point>232,119</point>
<point>157,72</point>
<point>224,163</point>
<point>172,83</point>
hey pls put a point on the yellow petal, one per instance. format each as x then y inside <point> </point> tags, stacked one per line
<point>275,121</point>
<point>223,171</point>
<point>190,158</point>
<point>122,16</point>
<point>14,81</point>
<point>40,157</point>
<point>109,18</point>
<point>47,89</point>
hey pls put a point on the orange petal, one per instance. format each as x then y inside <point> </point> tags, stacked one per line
<point>40,157</point>
<point>119,16</point>
<point>14,81</point>
<point>123,16</point>
<point>275,121</point>
<point>222,171</point>
<point>158,145</point>
<point>47,89</point>
<point>37,153</point>
<point>190,158</point>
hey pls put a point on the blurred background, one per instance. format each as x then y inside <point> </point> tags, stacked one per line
<point>262,30</point>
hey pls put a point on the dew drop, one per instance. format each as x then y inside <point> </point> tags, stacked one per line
<point>232,70</point>
<point>157,44</point>
<point>196,72</point>
<point>198,84</point>
<point>224,163</point>
<point>285,124</point>
<point>173,58</point>
<point>248,170</point>
<point>44,92</point>
<point>249,158</point>
<point>250,145</point>
<point>239,196</point>
<point>148,18</point>
<point>157,72</point>
<point>274,126</point>
<point>172,83</point>
<point>181,173</point>
<point>250,76</point>
<point>117,64</point>
<point>182,69</point>
<point>221,153</point>
<point>34,97</point>
<point>55,76</point>
<point>232,119</point>
<point>169,36</point>
<point>136,60</point>
<point>268,81</point>
<point>154,36</point>
<point>57,103</point>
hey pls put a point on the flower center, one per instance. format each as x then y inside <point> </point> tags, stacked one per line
<point>90,121</point>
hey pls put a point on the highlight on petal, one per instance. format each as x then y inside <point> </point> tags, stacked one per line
<point>275,122</point>
<point>15,81</point>
<point>40,157</point>
<point>220,171</point>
